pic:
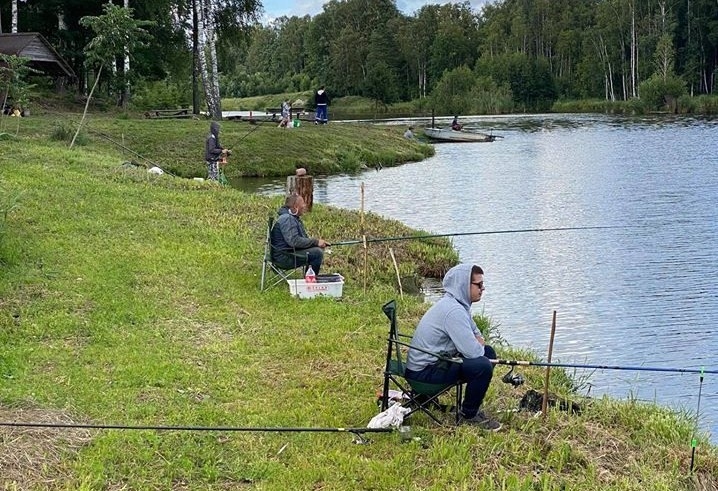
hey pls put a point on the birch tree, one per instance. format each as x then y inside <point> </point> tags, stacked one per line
<point>14,15</point>
<point>207,56</point>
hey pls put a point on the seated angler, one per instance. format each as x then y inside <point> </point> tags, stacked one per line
<point>448,327</point>
<point>291,246</point>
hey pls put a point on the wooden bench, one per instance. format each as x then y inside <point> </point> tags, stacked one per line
<point>168,113</point>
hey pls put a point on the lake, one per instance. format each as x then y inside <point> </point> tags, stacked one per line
<point>642,294</point>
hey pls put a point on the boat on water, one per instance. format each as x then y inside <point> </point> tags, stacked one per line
<point>449,135</point>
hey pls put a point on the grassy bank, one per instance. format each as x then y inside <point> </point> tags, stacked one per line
<point>349,107</point>
<point>361,107</point>
<point>129,298</point>
<point>177,145</point>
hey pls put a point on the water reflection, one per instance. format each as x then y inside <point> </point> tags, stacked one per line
<point>646,294</point>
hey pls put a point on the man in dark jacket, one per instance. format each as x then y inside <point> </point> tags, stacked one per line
<point>321,100</point>
<point>213,152</point>
<point>291,246</point>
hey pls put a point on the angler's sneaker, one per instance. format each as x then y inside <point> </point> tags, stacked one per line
<point>482,421</point>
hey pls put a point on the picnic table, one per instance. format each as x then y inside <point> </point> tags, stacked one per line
<point>168,113</point>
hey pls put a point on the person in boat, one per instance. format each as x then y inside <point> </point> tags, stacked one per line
<point>455,125</point>
<point>448,327</point>
<point>214,152</point>
<point>409,134</point>
<point>291,246</point>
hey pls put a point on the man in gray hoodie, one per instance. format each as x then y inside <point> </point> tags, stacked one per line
<point>448,328</point>
<point>213,152</point>
<point>291,246</point>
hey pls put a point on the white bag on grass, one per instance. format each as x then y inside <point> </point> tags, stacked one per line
<point>392,417</point>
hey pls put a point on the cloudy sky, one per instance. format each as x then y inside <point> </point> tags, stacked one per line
<point>278,8</point>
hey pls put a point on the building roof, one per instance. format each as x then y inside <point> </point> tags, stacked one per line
<point>34,46</point>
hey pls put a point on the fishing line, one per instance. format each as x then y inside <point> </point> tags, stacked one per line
<point>492,232</point>
<point>256,127</point>
<point>602,367</point>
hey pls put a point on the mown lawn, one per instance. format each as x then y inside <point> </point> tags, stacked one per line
<point>128,298</point>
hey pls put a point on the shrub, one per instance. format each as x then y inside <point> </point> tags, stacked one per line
<point>659,93</point>
<point>162,95</point>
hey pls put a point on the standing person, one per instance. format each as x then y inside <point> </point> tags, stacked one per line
<point>321,100</point>
<point>286,109</point>
<point>213,152</point>
<point>447,327</point>
<point>291,246</point>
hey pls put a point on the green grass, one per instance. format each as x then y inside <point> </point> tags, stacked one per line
<point>128,298</point>
<point>177,145</point>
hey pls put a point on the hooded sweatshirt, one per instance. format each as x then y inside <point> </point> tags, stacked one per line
<point>289,234</point>
<point>447,326</point>
<point>321,98</point>
<point>213,149</point>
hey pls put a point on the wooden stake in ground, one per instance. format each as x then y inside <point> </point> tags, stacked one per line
<point>396,268</point>
<point>363,234</point>
<point>544,403</point>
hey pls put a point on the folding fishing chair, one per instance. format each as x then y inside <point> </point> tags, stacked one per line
<point>272,273</point>
<point>419,396</point>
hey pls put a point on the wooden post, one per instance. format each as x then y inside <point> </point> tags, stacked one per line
<point>304,187</point>
<point>363,231</point>
<point>544,403</point>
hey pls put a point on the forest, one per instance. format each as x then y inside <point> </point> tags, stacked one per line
<point>511,55</point>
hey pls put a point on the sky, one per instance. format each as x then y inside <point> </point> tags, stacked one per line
<point>278,8</point>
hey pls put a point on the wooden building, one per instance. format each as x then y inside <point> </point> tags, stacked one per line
<point>38,50</point>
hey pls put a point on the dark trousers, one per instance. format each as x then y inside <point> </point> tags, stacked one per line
<point>476,372</point>
<point>300,257</point>
<point>321,114</point>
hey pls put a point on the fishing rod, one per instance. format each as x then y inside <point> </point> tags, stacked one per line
<point>601,367</point>
<point>698,414</point>
<point>255,128</point>
<point>264,429</point>
<point>492,232</point>
<point>114,142</point>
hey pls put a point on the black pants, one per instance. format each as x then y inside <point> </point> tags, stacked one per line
<point>299,257</point>
<point>476,372</point>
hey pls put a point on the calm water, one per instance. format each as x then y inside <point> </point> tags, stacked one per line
<point>643,295</point>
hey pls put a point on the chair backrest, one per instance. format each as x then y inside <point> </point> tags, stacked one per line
<point>268,240</point>
<point>395,363</point>
<point>394,360</point>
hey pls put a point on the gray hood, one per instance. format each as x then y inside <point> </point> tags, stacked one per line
<point>214,129</point>
<point>457,283</point>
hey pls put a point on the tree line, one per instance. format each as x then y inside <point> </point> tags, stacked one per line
<point>510,55</point>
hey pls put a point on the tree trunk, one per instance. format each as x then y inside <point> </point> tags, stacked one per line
<point>126,71</point>
<point>634,52</point>
<point>13,27</point>
<point>195,59</point>
<point>207,58</point>
<point>87,104</point>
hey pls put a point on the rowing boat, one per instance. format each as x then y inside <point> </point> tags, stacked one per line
<point>449,135</point>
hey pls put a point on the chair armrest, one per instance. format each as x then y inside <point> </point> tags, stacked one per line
<point>450,359</point>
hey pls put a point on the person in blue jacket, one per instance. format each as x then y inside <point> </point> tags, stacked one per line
<point>291,246</point>
<point>448,328</point>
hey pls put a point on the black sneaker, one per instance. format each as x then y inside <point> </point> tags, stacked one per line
<point>482,421</point>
